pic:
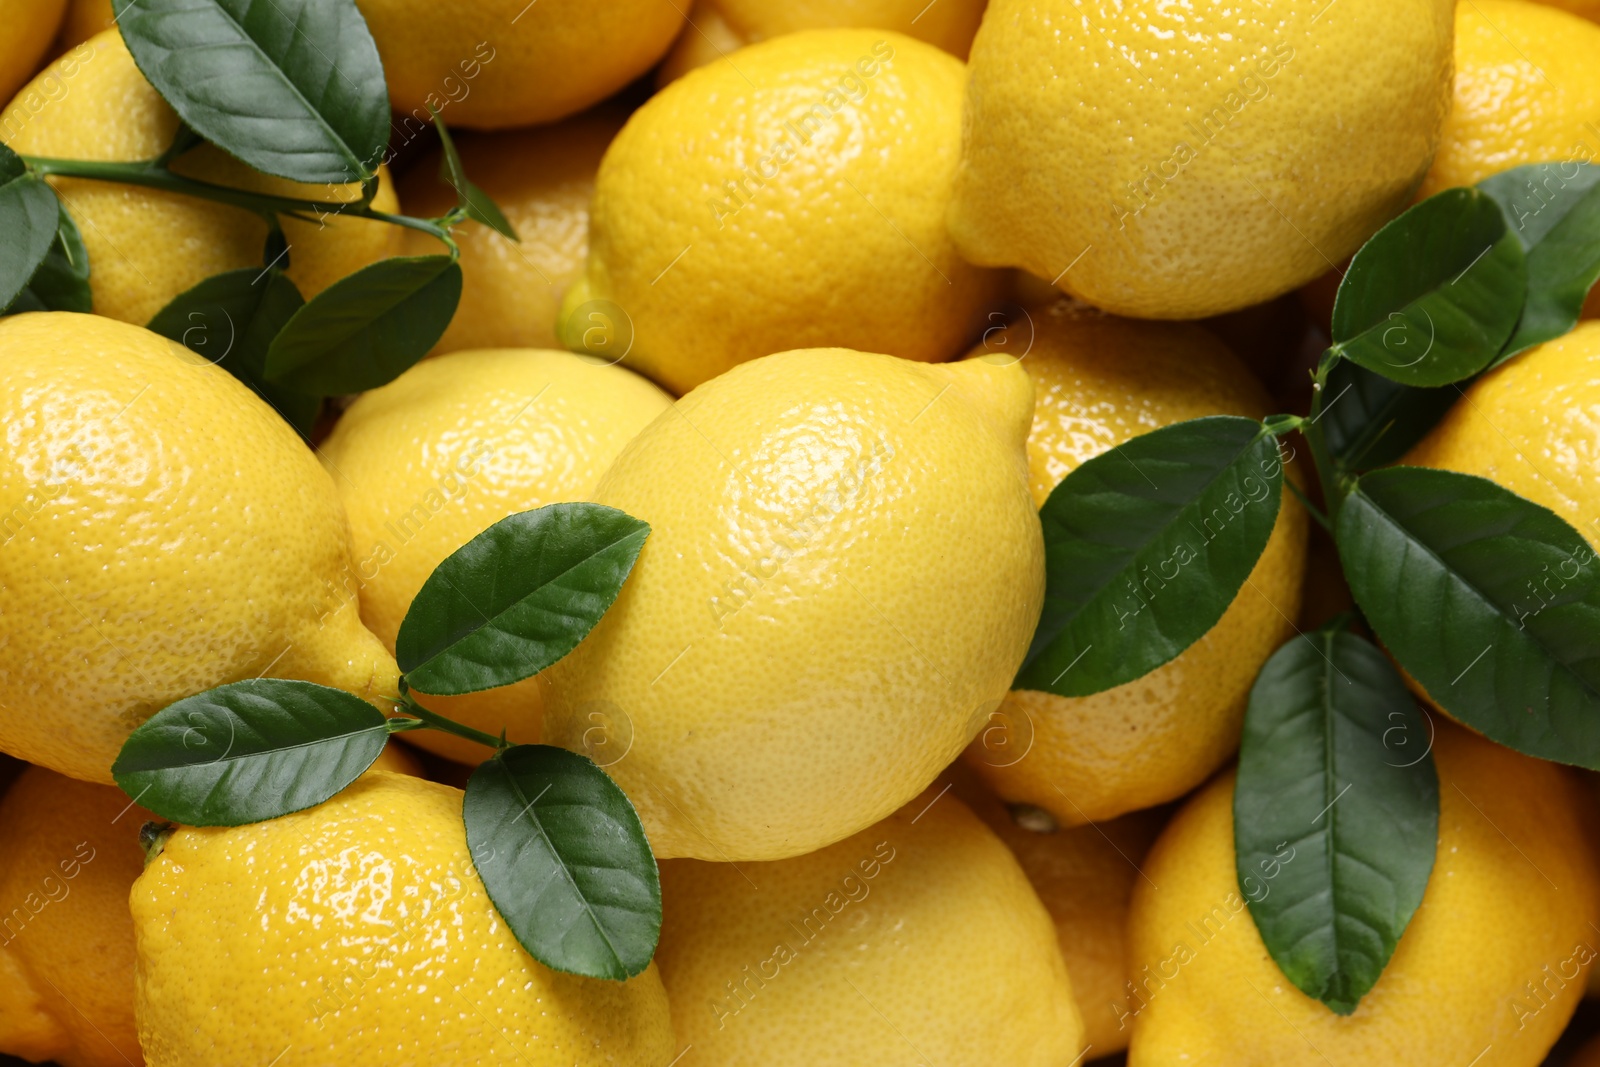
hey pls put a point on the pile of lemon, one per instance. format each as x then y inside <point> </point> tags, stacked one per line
<point>832,294</point>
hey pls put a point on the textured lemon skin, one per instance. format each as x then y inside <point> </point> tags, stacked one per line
<point>1088,160</point>
<point>455,444</point>
<point>26,30</point>
<point>840,239</point>
<point>145,247</point>
<point>83,20</point>
<point>66,942</point>
<point>166,532</point>
<point>916,941</point>
<point>493,64</point>
<point>843,573</point>
<point>1526,91</point>
<point>359,932</point>
<point>1489,966</point>
<point>1101,380</point>
<point>542,180</point>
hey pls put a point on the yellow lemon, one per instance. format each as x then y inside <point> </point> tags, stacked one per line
<point>1526,91</point>
<point>145,247</point>
<point>164,532</point>
<point>916,941</point>
<point>358,932</point>
<point>66,942</point>
<point>542,180</point>
<point>798,200</point>
<point>84,19</point>
<point>26,29</point>
<point>718,27</point>
<point>455,444</point>
<point>1488,971</point>
<point>1102,380</point>
<point>491,64</point>
<point>1173,161</point>
<point>843,573</point>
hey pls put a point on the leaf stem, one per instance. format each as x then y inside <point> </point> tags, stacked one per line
<point>433,720</point>
<point>1334,484</point>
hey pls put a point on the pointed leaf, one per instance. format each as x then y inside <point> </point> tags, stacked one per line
<point>61,282</point>
<point>1371,421</point>
<point>29,217</point>
<point>477,202</point>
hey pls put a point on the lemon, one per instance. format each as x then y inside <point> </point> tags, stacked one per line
<point>358,932</point>
<point>1164,161</point>
<point>491,64</point>
<point>1084,877</point>
<point>843,573</point>
<point>145,247</point>
<point>718,27</point>
<point>453,445</point>
<point>66,942</point>
<point>164,532</point>
<point>542,180</point>
<point>1102,380</point>
<point>1488,971</point>
<point>795,201</point>
<point>916,941</point>
<point>84,19</point>
<point>1589,9</point>
<point>28,28</point>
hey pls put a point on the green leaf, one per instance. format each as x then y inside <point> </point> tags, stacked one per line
<point>1335,813</point>
<point>61,282</point>
<point>1433,295</point>
<point>1491,602</point>
<point>249,751</point>
<point>565,859</point>
<point>29,216</point>
<point>517,597</point>
<point>292,87</point>
<point>231,320</point>
<point>1371,421</point>
<point>1553,209</point>
<point>1146,545</point>
<point>366,329</point>
<point>477,203</point>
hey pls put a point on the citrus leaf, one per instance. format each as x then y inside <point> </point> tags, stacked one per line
<point>1146,545</point>
<point>1553,209</point>
<point>1372,421</point>
<point>291,87</point>
<point>231,319</point>
<point>1335,813</point>
<point>366,329</point>
<point>477,202</point>
<point>61,281</point>
<point>1491,602</point>
<point>517,597</point>
<point>29,217</point>
<point>249,751</point>
<point>1433,295</point>
<point>565,860</point>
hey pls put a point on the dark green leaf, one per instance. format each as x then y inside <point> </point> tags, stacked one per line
<point>1335,813</point>
<point>477,202</point>
<point>1491,602</point>
<point>61,282</point>
<point>292,87</point>
<point>231,319</point>
<point>1370,421</point>
<point>249,751</point>
<point>1554,211</point>
<point>1433,295</point>
<point>1146,545</point>
<point>565,860</point>
<point>366,329</point>
<point>29,215</point>
<point>516,598</point>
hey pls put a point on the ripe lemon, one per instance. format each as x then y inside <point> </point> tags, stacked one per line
<point>718,27</point>
<point>66,942</point>
<point>165,532</point>
<point>916,941</point>
<point>1488,971</point>
<point>453,445</point>
<point>1526,91</point>
<point>84,19</point>
<point>542,180</point>
<point>1084,876</point>
<point>492,64</point>
<point>1165,161</point>
<point>798,200</point>
<point>843,574</point>
<point>1102,380</point>
<point>145,247</point>
<point>26,29</point>
<point>358,932</point>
